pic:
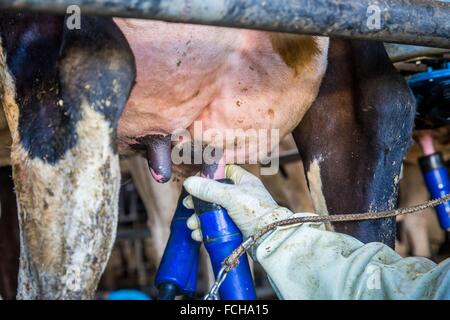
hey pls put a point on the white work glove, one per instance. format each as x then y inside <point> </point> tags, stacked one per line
<point>248,202</point>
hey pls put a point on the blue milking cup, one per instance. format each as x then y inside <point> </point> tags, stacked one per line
<point>438,183</point>
<point>177,272</point>
<point>221,237</point>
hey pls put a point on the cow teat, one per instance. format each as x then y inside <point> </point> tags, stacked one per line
<point>159,156</point>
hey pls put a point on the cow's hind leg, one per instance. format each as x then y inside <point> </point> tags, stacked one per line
<point>71,87</point>
<point>354,137</point>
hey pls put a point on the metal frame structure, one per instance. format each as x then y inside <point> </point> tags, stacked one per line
<point>419,22</point>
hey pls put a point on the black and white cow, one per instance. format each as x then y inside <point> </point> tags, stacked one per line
<point>63,92</point>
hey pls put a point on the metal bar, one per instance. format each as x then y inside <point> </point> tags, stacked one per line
<point>420,22</point>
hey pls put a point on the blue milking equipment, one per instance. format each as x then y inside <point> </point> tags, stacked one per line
<point>438,184</point>
<point>128,294</point>
<point>177,272</point>
<point>432,91</point>
<point>221,237</point>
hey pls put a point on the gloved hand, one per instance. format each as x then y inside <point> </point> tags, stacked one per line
<point>248,202</point>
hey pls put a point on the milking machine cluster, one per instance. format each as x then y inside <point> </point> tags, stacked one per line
<point>432,91</point>
<point>177,273</point>
<point>438,184</point>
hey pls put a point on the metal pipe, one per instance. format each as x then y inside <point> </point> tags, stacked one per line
<point>419,22</point>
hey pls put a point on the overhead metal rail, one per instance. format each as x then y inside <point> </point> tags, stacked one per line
<point>419,22</point>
